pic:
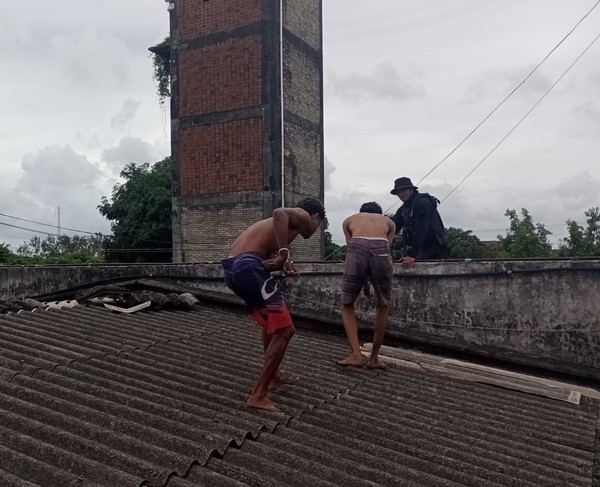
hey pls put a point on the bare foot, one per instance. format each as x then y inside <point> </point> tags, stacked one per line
<point>376,364</point>
<point>282,379</point>
<point>352,360</point>
<point>262,403</point>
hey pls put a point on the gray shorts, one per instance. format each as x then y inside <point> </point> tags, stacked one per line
<point>370,259</point>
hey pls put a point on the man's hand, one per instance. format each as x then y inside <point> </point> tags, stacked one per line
<point>281,263</point>
<point>290,269</point>
<point>407,261</point>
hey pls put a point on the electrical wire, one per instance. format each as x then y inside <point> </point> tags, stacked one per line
<point>522,119</point>
<point>64,228</point>
<point>28,229</point>
<point>47,225</point>
<point>509,95</point>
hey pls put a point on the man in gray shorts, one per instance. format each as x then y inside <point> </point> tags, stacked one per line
<point>368,235</point>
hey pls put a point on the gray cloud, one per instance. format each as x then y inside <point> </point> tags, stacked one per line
<point>127,113</point>
<point>130,149</point>
<point>54,177</point>
<point>53,168</point>
<point>329,170</point>
<point>497,84</point>
<point>384,83</point>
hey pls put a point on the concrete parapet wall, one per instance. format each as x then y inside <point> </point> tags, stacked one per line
<point>540,313</point>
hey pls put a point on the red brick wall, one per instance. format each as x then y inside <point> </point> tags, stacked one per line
<point>220,77</point>
<point>200,17</point>
<point>221,158</point>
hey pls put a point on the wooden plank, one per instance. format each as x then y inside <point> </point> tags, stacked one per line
<point>461,370</point>
<point>403,354</point>
<point>585,391</point>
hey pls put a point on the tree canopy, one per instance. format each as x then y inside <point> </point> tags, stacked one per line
<point>465,245</point>
<point>140,214</point>
<point>582,241</point>
<point>525,238</point>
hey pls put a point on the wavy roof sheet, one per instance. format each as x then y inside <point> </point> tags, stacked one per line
<point>157,398</point>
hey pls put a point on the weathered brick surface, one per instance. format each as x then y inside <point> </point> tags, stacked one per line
<point>200,17</point>
<point>297,16</point>
<point>208,233</point>
<point>303,161</point>
<point>220,77</point>
<point>302,84</point>
<point>226,154</point>
<point>220,158</point>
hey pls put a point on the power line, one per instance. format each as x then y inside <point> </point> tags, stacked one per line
<point>47,225</point>
<point>509,95</point>
<point>522,118</point>
<point>60,228</point>
<point>28,229</point>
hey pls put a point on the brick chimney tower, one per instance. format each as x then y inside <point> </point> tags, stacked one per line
<point>238,152</point>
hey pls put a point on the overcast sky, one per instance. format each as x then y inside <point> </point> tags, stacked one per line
<point>405,82</point>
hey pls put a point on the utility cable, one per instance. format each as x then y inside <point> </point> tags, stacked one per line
<point>522,119</point>
<point>28,229</point>
<point>63,228</point>
<point>47,225</point>
<point>510,94</point>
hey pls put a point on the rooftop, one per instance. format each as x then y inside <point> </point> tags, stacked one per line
<point>157,398</point>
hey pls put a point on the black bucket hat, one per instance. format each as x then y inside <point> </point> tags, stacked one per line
<point>402,183</point>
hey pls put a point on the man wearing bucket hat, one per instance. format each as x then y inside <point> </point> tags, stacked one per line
<point>420,223</point>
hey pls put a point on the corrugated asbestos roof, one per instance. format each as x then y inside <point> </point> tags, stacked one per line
<point>89,397</point>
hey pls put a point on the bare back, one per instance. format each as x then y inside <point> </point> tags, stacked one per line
<point>371,225</point>
<point>269,235</point>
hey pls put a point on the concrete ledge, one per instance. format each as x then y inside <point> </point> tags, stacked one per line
<point>539,313</point>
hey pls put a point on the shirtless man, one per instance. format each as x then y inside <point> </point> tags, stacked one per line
<point>260,249</point>
<point>368,235</point>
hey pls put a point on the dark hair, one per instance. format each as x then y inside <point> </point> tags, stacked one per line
<point>312,206</point>
<point>371,207</point>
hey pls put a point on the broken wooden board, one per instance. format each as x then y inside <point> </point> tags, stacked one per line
<point>457,369</point>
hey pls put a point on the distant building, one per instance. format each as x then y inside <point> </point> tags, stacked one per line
<point>493,246</point>
<point>226,118</point>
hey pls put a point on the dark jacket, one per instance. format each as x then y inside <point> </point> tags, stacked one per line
<point>422,227</point>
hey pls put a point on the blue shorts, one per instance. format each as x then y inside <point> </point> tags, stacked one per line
<point>246,277</point>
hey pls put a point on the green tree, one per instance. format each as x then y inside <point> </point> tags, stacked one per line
<point>6,255</point>
<point>582,241</point>
<point>333,251</point>
<point>525,238</point>
<point>63,249</point>
<point>465,245</point>
<point>140,214</point>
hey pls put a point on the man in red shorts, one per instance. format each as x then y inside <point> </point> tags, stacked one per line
<point>259,250</point>
<point>368,235</point>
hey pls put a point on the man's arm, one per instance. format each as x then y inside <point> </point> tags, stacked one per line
<point>285,220</point>
<point>397,219</point>
<point>346,229</point>
<point>391,231</point>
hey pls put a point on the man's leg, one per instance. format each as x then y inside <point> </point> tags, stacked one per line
<point>276,348</point>
<point>349,319</point>
<point>381,322</point>
<point>280,378</point>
